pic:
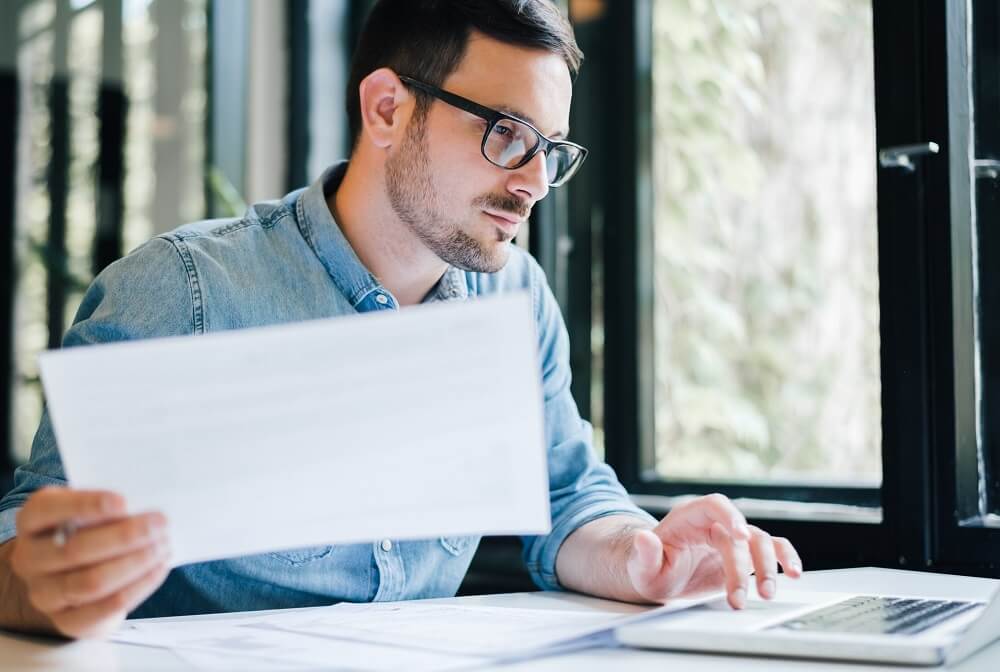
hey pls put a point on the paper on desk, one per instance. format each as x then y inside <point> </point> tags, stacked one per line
<point>399,424</point>
<point>500,633</point>
<point>416,635</point>
<point>227,644</point>
<point>382,659</point>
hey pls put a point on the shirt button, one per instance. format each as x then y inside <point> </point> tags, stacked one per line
<point>382,298</point>
<point>386,545</point>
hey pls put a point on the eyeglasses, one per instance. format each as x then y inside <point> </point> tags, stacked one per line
<point>510,142</point>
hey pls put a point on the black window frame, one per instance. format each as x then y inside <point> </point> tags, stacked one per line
<point>986,85</point>
<point>965,538</point>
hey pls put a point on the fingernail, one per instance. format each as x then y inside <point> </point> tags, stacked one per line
<point>767,588</point>
<point>739,599</point>
<point>743,531</point>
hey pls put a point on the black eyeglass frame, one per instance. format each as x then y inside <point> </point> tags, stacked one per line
<point>492,118</point>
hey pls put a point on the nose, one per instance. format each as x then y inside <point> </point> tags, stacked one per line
<point>531,181</point>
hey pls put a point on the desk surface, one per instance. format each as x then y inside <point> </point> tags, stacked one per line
<point>29,653</point>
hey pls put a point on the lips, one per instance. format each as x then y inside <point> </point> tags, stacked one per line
<point>506,220</point>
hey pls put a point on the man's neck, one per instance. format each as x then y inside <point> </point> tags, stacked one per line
<point>384,244</point>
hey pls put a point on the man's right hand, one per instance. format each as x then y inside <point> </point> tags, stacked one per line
<point>105,568</point>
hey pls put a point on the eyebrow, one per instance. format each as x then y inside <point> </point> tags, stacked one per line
<point>506,109</point>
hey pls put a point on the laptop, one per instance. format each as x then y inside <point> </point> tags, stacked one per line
<point>899,629</point>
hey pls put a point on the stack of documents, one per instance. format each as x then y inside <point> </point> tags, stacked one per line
<point>416,635</point>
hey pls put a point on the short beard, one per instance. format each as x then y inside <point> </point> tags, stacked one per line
<point>413,198</point>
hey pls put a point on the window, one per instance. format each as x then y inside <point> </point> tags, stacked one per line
<point>109,98</point>
<point>773,312</point>
<point>765,273</point>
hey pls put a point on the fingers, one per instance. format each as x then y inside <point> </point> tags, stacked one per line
<point>768,552</point>
<point>52,506</point>
<point>788,557</point>
<point>765,562</point>
<point>105,568</point>
<point>764,553</point>
<point>736,563</point>
<point>713,521</point>
<point>93,544</point>
<point>102,617</point>
<point>693,520</point>
<point>57,592</point>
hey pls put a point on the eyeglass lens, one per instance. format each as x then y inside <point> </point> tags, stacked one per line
<point>509,142</point>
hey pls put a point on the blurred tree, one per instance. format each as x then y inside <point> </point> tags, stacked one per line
<point>766,282</point>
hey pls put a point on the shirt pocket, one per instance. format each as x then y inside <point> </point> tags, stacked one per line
<point>301,556</point>
<point>456,545</point>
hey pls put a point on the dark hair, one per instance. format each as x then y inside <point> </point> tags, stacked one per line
<point>426,39</point>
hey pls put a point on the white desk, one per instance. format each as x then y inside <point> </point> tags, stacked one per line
<point>28,653</point>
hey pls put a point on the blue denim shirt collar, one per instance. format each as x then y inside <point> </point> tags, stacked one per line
<point>327,240</point>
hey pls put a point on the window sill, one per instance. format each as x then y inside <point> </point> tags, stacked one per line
<point>769,509</point>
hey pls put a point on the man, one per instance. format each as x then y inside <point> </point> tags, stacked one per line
<point>444,170</point>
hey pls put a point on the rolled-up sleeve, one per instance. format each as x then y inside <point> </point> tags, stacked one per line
<point>581,487</point>
<point>143,295</point>
<point>44,468</point>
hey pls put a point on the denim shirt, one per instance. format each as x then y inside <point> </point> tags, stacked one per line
<point>284,261</point>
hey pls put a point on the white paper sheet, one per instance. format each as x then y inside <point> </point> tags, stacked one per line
<point>414,635</point>
<point>230,645</point>
<point>453,634</point>
<point>411,424</point>
<point>500,633</point>
<point>359,659</point>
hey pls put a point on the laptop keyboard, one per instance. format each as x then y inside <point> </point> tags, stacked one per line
<point>872,615</point>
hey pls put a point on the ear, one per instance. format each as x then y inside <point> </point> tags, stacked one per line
<point>386,105</point>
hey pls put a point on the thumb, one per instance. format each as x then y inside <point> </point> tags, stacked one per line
<point>645,560</point>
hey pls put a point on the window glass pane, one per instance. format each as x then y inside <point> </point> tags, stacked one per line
<point>34,65</point>
<point>61,48</point>
<point>165,52</point>
<point>84,70</point>
<point>765,280</point>
<point>35,16</point>
<point>330,49</point>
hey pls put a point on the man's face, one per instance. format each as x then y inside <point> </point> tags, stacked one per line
<point>462,207</point>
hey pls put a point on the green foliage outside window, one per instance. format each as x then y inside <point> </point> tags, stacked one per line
<point>766,283</point>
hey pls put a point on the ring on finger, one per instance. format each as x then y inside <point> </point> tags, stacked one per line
<point>62,534</point>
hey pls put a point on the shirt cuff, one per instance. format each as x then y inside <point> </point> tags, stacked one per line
<point>8,528</point>
<point>543,572</point>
